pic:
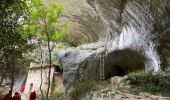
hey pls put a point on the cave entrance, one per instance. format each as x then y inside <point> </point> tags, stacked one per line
<point>121,62</point>
<point>116,70</point>
<point>58,79</point>
<point>57,69</point>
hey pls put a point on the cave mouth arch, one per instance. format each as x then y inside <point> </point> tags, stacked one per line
<point>121,62</point>
<point>58,69</point>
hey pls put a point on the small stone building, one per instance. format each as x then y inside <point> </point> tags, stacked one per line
<point>34,77</point>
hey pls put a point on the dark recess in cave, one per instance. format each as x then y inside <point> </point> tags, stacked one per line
<point>116,71</point>
<point>121,62</point>
<point>58,69</point>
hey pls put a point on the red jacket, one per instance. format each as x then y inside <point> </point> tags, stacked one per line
<point>32,96</point>
<point>22,88</point>
<point>16,97</point>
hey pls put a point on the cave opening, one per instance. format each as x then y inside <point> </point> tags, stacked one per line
<point>116,70</point>
<point>58,69</point>
<point>121,62</point>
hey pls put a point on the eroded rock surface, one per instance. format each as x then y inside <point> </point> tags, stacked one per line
<point>142,26</point>
<point>137,37</point>
<point>84,23</point>
<point>110,95</point>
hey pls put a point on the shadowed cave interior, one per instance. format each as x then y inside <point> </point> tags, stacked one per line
<point>121,62</point>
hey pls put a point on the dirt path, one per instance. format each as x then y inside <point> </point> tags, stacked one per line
<point>24,96</point>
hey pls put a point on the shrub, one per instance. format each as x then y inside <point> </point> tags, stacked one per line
<point>146,81</point>
<point>56,94</point>
<point>81,86</point>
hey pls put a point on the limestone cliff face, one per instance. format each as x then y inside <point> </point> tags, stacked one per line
<point>137,35</point>
<point>84,23</point>
<point>142,26</point>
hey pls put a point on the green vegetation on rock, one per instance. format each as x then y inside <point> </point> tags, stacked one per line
<point>81,86</point>
<point>145,81</point>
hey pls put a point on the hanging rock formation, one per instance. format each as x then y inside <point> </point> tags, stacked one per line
<point>137,35</point>
<point>83,22</point>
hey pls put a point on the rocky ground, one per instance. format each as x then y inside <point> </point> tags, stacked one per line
<point>112,95</point>
<point>111,91</point>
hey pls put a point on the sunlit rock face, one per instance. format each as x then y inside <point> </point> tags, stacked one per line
<point>137,37</point>
<point>143,26</point>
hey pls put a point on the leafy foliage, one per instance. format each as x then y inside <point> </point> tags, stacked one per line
<point>44,19</point>
<point>13,43</point>
<point>43,23</point>
<point>148,82</point>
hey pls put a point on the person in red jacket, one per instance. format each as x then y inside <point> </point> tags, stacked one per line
<point>8,96</point>
<point>22,88</point>
<point>33,96</point>
<point>16,96</point>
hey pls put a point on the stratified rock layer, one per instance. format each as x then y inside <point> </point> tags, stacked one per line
<point>137,36</point>
<point>84,23</point>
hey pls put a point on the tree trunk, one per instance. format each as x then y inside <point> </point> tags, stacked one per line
<point>49,72</point>
<point>6,69</point>
<point>12,71</point>
<point>41,77</point>
<point>3,76</point>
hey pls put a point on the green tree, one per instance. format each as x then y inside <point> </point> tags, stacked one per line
<point>43,23</point>
<point>13,43</point>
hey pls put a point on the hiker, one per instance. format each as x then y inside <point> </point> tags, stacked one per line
<point>8,96</point>
<point>33,96</point>
<point>30,89</point>
<point>22,88</point>
<point>16,96</point>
